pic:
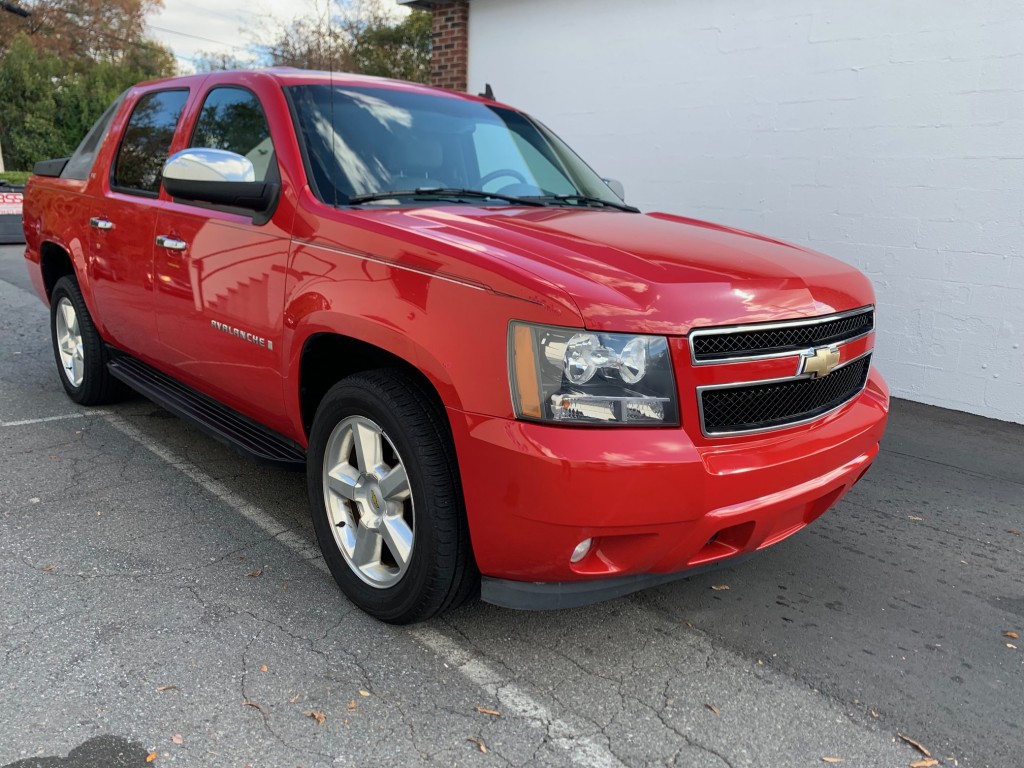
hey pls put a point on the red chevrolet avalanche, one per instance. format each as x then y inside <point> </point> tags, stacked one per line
<point>500,378</point>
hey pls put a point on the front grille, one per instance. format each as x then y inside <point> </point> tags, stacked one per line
<point>777,404</point>
<point>779,338</point>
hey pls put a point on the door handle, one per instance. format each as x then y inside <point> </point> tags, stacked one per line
<point>171,243</point>
<point>99,223</point>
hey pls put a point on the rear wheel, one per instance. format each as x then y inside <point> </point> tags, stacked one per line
<point>78,349</point>
<point>386,499</point>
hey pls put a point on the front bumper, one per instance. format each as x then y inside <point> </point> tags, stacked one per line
<point>656,504</point>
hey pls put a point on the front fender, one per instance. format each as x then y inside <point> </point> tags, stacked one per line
<point>454,333</point>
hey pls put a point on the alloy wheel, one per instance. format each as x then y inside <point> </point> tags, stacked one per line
<point>369,502</point>
<point>69,342</point>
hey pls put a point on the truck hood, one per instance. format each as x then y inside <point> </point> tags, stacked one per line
<point>652,273</point>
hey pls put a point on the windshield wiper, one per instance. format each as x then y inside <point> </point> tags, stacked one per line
<point>586,199</point>
<point>448,192</point>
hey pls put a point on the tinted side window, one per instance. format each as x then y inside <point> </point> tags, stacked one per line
<point>80,163</point>
<point>147,141</point>
<point>233,119</point>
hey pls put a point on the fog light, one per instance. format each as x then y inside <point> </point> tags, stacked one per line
<point>581,551</point>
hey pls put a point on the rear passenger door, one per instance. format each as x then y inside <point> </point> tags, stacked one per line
<point>220,273</point>
<point>122,221</point>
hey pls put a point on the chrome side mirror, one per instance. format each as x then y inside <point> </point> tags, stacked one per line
<point>220,178</point>
<point>199,164</point>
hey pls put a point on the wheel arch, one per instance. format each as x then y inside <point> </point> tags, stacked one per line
<point>54,263</point>
<point>327,358</point>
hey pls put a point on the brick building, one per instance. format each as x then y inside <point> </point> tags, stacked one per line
<point>888,135</point>
<point>450,57</point>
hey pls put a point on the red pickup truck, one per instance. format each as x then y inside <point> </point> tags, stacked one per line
<point>500,378</point>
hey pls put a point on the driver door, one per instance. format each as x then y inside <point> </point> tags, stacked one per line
<point>220,276</point>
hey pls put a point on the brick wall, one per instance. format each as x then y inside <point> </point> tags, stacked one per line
<point>890,135</point>
<point>450,54</point>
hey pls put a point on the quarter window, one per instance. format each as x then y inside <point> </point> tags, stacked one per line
<point>80,163</point>
<point>147,142</point>
<point>232,119</point>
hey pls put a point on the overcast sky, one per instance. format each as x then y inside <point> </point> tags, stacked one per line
<point>191,27</point>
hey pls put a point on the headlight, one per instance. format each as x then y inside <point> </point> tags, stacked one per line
<point>577,377</point>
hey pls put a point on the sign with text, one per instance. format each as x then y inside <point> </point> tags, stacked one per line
<point>10,203</point>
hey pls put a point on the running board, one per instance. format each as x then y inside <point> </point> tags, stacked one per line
<point>220,422</point>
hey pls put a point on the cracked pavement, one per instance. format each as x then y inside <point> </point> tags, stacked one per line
<point>156,585</point>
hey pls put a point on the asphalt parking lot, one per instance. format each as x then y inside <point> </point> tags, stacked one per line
<point>162,596</point>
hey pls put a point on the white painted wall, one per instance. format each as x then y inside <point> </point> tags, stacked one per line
<point>888,134</point>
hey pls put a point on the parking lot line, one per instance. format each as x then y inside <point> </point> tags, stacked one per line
<point>62,417</point>
<point>251,512</point>
<point>584,751</point>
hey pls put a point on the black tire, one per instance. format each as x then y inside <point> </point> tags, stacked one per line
<point>96,386</point>
<point>440,573</point>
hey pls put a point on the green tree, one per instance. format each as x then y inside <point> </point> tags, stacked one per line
<point>28,133</point>
<point>401,51</point>
<point>63,65</point>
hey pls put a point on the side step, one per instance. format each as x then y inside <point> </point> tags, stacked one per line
<point>224,424</point>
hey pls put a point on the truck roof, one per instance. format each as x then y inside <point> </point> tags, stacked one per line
<point>295,76</point>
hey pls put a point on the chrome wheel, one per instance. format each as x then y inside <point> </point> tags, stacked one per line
<point>69,343</point>
<point>369,502</point>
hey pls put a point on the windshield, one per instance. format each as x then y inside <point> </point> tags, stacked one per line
<point>360,142</point>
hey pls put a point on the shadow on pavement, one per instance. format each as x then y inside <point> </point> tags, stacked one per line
<point>101,752</point>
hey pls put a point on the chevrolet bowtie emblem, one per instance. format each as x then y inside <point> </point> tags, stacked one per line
<point>819,362</point>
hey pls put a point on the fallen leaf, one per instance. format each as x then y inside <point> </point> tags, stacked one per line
<point>479,743</point>
<point>1013,531</point>
<point>254,574</point>
<point>713,708</point>
<point>914,517</point>
<point>1011,645</point>
<point>486,711</point>
<point>49,569</point>
<point>320,717</point>
<point>928,762</point>
<point>285,585</point>
<point>363,693</point>
<point>293,699</point>
<point>177,739</point>
<point>162,688</point>
<point>263,668</point>
<point>254,705</point>
<point>352,706</point>
<point>916,744</point>
<point>151,757</point>
<point>831,759</point>
<point>1014,635</point>
<point>719,587</point>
